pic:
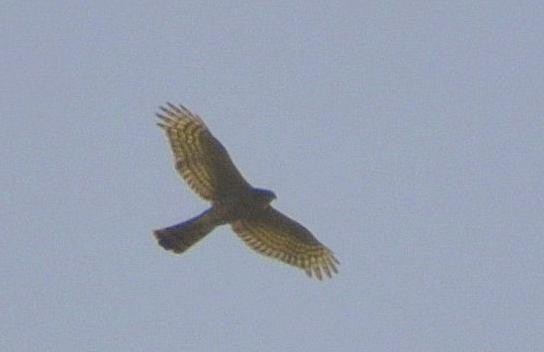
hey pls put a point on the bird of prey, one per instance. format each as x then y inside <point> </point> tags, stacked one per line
<point>203,162</point>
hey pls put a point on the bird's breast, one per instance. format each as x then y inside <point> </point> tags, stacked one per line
<point>236,208</point>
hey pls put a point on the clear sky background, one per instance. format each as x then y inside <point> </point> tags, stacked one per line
<point>408,136</point>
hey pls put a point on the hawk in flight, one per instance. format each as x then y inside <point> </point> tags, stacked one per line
<point>205,165</point>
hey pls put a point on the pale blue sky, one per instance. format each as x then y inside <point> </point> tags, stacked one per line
<point>408,136</point>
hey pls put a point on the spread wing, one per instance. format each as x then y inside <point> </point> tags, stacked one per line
<point>200,158</point>
<point>273,234</point>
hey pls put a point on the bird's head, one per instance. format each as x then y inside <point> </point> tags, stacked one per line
<point>264,195</point>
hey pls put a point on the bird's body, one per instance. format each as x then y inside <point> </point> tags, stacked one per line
<point>243,205</point>
<point>204,163</point>
<point>180,237</point>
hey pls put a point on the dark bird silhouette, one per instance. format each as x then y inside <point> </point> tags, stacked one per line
<point>205,165</point>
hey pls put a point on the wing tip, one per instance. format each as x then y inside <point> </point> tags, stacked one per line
<point>177,113</point>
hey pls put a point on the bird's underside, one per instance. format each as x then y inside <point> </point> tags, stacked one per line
<point>205,165</point>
